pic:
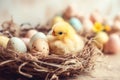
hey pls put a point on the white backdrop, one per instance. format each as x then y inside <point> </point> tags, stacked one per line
<point>39,11</point>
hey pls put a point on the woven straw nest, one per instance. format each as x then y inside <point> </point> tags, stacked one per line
<point>14,65</point>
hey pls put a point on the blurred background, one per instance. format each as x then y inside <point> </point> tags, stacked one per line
<point>39,11</point>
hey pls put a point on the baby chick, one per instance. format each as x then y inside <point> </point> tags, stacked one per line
<point>64,39</point>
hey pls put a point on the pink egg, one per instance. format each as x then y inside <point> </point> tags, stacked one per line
<point>26,41</point>
<point>30,33</point>
<point>96,17</point>
<point>113,44</point>
<point>117,17</point>
<point>116,25</point>
<point>70,11</point>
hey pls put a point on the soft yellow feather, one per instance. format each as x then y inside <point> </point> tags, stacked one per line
<point>64,39</point>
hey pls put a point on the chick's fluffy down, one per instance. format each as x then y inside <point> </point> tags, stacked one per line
<point>66,46</point>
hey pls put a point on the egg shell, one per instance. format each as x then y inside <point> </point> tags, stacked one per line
<point>117,17</point>
<point>26,41</point>
<point>30,33</point>
<point>3,41</point>
<point>116,25</point>
<point>57,19</point>
<point>75,23</point>
<point>70,11</point>
<point>17,44</point>
<point>87,25</point>
<point>37,36</point>
<point>102,37</point>
<point>40,46</point>
<point>113,44</point>
<point>96,17</point>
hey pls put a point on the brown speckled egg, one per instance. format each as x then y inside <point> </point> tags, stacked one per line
<point>113,45</point>
<point>40,47</point>
<point>30,33</point>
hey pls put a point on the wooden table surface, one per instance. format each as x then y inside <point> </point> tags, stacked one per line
<point>107,69</point>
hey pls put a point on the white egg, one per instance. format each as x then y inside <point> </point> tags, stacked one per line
<point>37,36</point>
<point>17,44</point>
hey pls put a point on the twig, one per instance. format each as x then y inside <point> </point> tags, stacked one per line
<point>5,62</point>
<point>22,73</point>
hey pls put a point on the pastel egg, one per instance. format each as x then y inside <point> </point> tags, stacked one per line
<point>37,36</point>
<point>17,44</point>
<point>117,17</point>
<point>116,25</point>
<point>113,45</point>
<point>87,25</point>
<point>30,33</point>
<point>96,17</point>
<point>70,11</point>
<point>57,19</point>
<point>75,23</point>
<point>26,41</point>
<point>40,46</point>
<point>3,41</point>
<point>102,37</point>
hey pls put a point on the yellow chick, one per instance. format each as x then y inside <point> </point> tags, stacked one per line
<point>64,39</point>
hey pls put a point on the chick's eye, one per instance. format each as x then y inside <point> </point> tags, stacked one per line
<point>60,33</point>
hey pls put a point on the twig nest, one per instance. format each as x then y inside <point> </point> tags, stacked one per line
<point>40,47</point>
<point>37,36</point>
<point>3,41</point>
<point>30,33</point>
<point>16,44</point>
<point>113,45</point>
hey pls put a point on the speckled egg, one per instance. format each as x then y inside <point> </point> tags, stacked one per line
<point>40,46</point>
<point>37,36</point>
<point>75,23</point>
<point>3,41</point>
<point>17,44</point>
<point>30,33</point>
<point>102,37</point>
<point>113,45</point>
